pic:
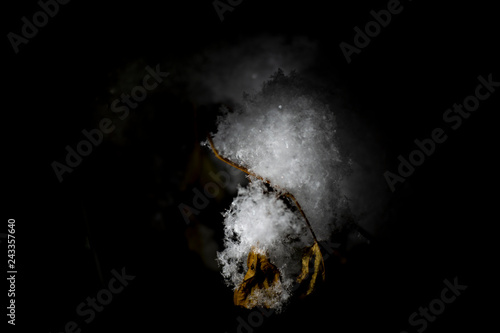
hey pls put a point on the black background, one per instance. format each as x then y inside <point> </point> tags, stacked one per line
<point>441,223</point>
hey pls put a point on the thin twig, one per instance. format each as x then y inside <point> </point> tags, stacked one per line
<point>245,170</point>
<point>91,245</point>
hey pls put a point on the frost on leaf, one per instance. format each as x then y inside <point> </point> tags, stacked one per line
<point>284,139</point>
<point>258,283</point>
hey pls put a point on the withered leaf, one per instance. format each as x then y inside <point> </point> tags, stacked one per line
<point>319,267</point>
<point>261,275</point>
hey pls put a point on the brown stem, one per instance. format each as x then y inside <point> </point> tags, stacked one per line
<point>290,195</point>
<point>245,170</point>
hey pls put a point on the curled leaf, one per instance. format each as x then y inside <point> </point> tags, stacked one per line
<point>259,279</point>
<point>312,253</point>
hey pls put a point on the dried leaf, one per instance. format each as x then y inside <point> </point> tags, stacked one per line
<point>260,277</point>
<point>319,267</point>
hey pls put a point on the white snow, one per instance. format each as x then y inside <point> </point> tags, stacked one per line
<point>287,135</point>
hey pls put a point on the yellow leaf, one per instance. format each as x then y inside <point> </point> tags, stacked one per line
<point>260,277</point>
<point>319,267</point>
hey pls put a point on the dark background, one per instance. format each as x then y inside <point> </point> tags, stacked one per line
<point>439,224</point>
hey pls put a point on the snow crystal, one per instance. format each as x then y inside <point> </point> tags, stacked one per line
<point>259,218</point>
<point>294,147</point>
<point>286,135</point>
